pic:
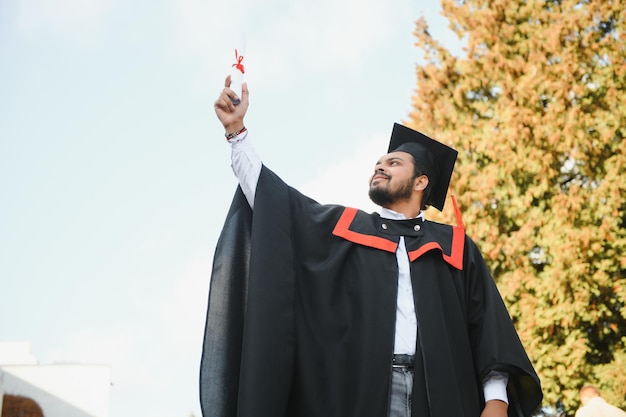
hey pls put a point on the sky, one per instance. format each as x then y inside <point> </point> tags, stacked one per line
<point>115,176</point>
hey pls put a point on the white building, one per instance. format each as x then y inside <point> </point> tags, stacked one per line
<point>61,390</point>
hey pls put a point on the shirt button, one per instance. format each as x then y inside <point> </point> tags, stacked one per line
<point>417,227</point>
<point>384,226</point>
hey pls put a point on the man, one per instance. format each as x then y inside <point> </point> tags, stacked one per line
<point>327,311</point>
<point>593,405</point>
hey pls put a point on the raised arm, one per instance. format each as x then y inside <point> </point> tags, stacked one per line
<point>245,162</point>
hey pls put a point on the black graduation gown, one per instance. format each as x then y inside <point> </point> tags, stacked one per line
<point>302,308</point>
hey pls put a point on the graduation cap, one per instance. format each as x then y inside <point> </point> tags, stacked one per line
<point>436,159</point>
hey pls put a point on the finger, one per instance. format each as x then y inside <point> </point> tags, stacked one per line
<point>228,96</point>
<point>224,104</point>
<point>234,98</point>
<point>227,81</point>
<point>231,97</point>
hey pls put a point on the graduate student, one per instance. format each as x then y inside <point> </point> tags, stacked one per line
<point>328,311</point>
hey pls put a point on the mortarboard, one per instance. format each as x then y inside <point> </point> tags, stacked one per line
<point>434,157</point>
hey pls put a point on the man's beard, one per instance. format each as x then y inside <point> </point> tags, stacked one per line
<point>385,197</point>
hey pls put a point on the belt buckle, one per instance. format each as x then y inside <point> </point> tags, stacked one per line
<point>406,362</point>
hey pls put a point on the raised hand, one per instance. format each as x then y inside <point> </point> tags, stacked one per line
<point>229,114</point>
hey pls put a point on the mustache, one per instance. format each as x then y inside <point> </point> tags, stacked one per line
<point>381,174</point>
<point>378,175</point>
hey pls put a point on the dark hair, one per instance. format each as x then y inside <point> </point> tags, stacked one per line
<point>418,171</point>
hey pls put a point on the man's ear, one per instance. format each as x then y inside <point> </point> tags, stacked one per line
<point>420,183</point>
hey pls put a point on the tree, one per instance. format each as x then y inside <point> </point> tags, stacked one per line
<point>536,107</point>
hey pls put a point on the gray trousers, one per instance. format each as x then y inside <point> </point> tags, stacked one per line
<point>401,391</point>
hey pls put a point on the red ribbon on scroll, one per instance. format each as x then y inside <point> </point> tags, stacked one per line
<point>239,64</point>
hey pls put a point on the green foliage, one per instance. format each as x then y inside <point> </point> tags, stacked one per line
<point>537,109</point>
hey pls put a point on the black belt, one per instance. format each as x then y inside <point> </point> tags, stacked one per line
<point>403,361</point>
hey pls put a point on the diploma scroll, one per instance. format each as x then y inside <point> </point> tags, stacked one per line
<point>237,71</point>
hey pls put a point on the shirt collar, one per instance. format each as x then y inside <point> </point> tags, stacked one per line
<point>394,215</point>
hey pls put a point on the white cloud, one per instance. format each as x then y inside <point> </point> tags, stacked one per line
<point>185,310</point>
<point>346,182</point>
<point>330,35</point>
<point>326,35</point>
<point>117,348</point>
<point>158,354</point>
<point>71,18</point>
<point>201,23</point>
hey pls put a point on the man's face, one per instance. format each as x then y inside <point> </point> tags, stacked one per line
<point>393,179</point>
